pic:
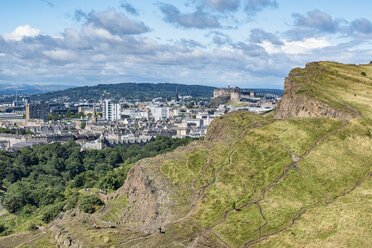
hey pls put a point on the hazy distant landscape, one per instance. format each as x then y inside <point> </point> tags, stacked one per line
<point>28,89</point>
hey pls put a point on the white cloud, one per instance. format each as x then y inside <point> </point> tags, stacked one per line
<point>94,32</point>
<point>21,32</point>
<point>60,55</point>
<point>296,47</point>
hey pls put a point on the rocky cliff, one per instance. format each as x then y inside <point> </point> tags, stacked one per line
<point>148,199</point>
<point>295,104</point>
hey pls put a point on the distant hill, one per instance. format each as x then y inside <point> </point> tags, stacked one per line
<point>7,89</point>
<point>142,91</point>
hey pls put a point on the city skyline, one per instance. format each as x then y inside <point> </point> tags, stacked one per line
<point>245,43</point>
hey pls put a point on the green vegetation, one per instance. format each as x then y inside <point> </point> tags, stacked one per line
<point>344,223</point>
<point>41,181</point>
<point>68,115</point>
<point>255,180</point>
<point>142,91</point>
<point>90,204</point>
<point>115,209</point>
<point>281,168</point>
<point>19,131</point>
<point>52,212</point>
<point>343,87</point>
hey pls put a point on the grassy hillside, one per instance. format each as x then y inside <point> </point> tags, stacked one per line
<point>254,181</point>
<point>256,177</point>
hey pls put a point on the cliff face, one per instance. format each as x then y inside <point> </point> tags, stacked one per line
<point>148,199</point>
<point>294,104</point>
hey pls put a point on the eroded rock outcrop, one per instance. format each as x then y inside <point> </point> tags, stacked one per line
<point>149,200</point>
<point>63,239</point>
<point>294,104</point>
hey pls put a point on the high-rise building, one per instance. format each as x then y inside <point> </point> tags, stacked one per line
<point>111,111</point>
<point>177,95</point>
<point>37,110</point>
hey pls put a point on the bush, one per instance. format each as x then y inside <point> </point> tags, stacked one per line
<point>90,204</point>
<point>28,210</point>
<point>2,229</point>
<point>363,73</point>
<point>111,181</point>
<point>52,212</point>
<point>13,203</point>
<point>32,227</point>
<point>72,201</point>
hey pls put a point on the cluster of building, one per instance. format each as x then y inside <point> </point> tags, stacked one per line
<point>107,122</point>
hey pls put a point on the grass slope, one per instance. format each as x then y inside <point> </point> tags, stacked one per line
<point>257,180</point>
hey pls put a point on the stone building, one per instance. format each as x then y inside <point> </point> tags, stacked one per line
<point>234,94</point>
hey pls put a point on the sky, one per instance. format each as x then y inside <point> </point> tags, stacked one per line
<point>244,43</point>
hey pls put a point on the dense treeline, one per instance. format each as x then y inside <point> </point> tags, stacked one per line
<point>15,131</point>
<point>50,175</point>
<point>142,91</point>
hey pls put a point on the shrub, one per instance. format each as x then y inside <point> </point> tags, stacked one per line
<point>111,181</point>
<point>32,227</point>
<point>72,201</point>
<point>90,204</point>
<point>28,210</point>
<point>2,229</point>
<point>13,203</point>
<point>52,212</point>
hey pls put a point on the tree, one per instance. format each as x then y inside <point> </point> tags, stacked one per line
<point>83,124</point>
<point>16,197</point>
<point>52,212</point>
<point>73,164</point>
<point>72,200</point>
<point>90,204</point>
<point>111,181</point>
<point>13,203</point>
<point>113,158</point>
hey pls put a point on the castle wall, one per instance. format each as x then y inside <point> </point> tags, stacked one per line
<point>233,93</point>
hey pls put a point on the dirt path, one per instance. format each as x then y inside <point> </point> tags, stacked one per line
<point>274,183</point>
<point>303,210</point>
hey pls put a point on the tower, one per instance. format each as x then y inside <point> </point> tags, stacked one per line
<point>94,115</point>
<point>27,113</point>
<point>177,95</point>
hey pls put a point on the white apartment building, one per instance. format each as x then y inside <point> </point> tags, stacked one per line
<point>135,114</point>
<point>111,111</point>
<point>160,113</point>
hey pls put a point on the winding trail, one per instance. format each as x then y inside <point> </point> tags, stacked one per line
<point>303,210</point>
<point>274,183</point>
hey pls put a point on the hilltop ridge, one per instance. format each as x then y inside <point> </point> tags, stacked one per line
<point>320,89</point>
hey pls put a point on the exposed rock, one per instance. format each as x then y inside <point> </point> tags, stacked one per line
<point>296,105</point>
<point>63,238</point>
<point>149,200</point>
